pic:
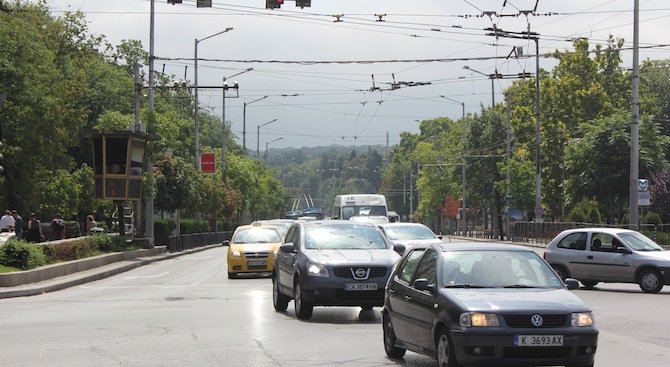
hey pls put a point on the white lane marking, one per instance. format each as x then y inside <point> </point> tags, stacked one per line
<point>147,276</point>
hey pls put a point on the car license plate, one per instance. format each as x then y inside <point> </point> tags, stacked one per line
<point>360,287</point>
<point>538,340</point>
<point>256,263</point>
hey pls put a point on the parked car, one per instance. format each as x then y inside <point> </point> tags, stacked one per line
<point>409,234</point>
<point>487,305</point>
<point>332,263</point>
<point>252,249</point>
<point>617,255</point>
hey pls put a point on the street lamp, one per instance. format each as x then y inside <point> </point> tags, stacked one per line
<point>267,144</point>
<point>493,76</point>
<point>464,219</point>
<point>197,108</point>
<point>244,122</point>
<point>258,136</point>
<point>223,119</point>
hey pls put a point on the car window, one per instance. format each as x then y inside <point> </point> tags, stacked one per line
<point>409,265</point>
<point>427,267</point>
<point>340,237</point>
<point>573,241</point>
<point>257,235</point>
<point>292,236</point>
<point>639,242</point>
<point>603,242</point>
<point>400,233</point>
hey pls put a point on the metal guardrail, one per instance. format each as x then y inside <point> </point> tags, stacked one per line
<point>194,240</point>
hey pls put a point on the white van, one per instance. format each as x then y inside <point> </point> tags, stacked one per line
<point>347,206</point>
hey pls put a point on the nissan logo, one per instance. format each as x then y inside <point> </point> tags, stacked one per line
<point>360,273</point>
<point>536,320</point>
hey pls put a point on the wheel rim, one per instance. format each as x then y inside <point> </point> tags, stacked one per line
<point>649,281</point>
<point>443,351</point>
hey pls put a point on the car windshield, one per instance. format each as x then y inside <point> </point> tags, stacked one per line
<point>376,219</point>
<point>497,269</point>
<point>402,232</point>
<point>639,242</point>
<point>331,237</point>
<point>256,235</point>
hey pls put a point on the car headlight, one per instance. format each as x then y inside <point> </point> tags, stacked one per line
<point>317,270</point>
<point>479,319</point>
<point>581,319</point>
<point>235,253</point>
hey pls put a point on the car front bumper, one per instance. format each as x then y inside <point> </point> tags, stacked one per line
<point>496,349</point>
<point>242,264</point>
<point>331,292</point>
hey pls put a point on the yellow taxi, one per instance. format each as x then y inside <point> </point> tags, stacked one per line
<point>252,249</point>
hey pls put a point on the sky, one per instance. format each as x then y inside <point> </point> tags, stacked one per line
<point>382,68</point>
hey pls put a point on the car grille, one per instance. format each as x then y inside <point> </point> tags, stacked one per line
<point>523,321</point>
<point>363,296</point>
<point>536,352</point>
<point>256,255</point>
<point>347,271</point>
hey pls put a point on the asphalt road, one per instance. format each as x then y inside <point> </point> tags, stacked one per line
<point>185,312</point>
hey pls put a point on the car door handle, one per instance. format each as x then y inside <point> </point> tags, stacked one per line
<point>392,292</point>
<point>590,257</point>
<point>408,298</point>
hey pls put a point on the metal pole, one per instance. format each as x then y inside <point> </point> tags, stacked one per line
<point>493,90</point>
<point>258,139</point>
<point>244,128</point>
<point>223,126</point>
<point>538,165</point>
<point>196,147</point>
<point>149,198</point>
<point>635,127</point>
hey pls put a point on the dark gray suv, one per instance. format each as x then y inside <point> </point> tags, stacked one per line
<point>332,263</point>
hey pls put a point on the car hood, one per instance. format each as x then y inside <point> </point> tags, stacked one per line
<point>413,243</point>
<point>340,257</point>
<point>254,247</point>
<point>504,299</point>
<point>656,255</point>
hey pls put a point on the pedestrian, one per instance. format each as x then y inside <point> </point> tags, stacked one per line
<point>90,223</point>
<point>34,229</point>
<point>58,227</point>
<point>18,225</point>
<point>7,222</point>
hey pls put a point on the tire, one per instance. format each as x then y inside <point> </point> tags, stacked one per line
<point>279,300</point>
<point>389,339</point>
<point>445,350</point>
<point>650,281</point>
<point>580,365</point>
<point>561,272</point>
<point>366,307</point>
<point>232,275</point>
<point>589,284</point>
<point>303,309</point>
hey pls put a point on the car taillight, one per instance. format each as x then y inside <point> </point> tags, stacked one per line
<point>544,255</point>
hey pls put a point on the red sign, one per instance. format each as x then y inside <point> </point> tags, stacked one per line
<point>208,162</point>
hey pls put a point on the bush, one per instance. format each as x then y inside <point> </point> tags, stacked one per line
<point>193,226</point>
<point>162,230</point>
<point>70,250</point>
<point>652,218</point>
<point>585,211</point>
<point>22,255</point>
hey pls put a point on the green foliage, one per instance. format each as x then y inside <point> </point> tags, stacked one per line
<point>22,255</point>
<point>651,218</point>
<point>585,211</point>
<point>193,226</point>
<point>162,230</point>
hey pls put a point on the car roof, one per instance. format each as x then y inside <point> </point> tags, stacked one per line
<point>611,230</point>
<point>402,224</point>
<point>475,246</point>
<point>336,222</point>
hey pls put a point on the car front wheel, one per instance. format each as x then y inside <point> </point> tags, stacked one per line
<point>650,281</point>
<point>303,309</point>
<point>588,284</point>
<point>389,339</point>
<point>560,271</point>
<point>279,300</point>
<point>445,353</point>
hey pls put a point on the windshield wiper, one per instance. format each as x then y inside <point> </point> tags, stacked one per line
<point>519,286</point>
<point>465,286</point>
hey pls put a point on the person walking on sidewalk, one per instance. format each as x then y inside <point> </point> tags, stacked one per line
<point>58,227</point>
<point>18,225</point>
<point>34,229</point>
<point>7,222</point>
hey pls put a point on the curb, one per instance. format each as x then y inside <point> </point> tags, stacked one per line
<point>82,277</point>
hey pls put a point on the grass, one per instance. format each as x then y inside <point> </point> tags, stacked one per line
<point>7,269</point>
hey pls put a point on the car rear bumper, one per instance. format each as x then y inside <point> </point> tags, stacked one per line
<point>498,350</point>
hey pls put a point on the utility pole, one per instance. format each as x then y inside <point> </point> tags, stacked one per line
<point>635,127</point>
<point>149,196</point>
<point>244,122</point>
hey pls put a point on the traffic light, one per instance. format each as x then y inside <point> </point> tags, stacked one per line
<point>303,3</point>
<point>273,4</point>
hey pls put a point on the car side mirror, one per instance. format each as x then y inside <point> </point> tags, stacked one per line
<point>226,242</point>
<point>399,248</point>
<point>287,248</point>
<point>423,285</point>
<point>571,283</point>
<point>623,250</point>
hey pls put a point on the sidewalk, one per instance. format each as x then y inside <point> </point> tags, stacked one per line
<point>81,277</point>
